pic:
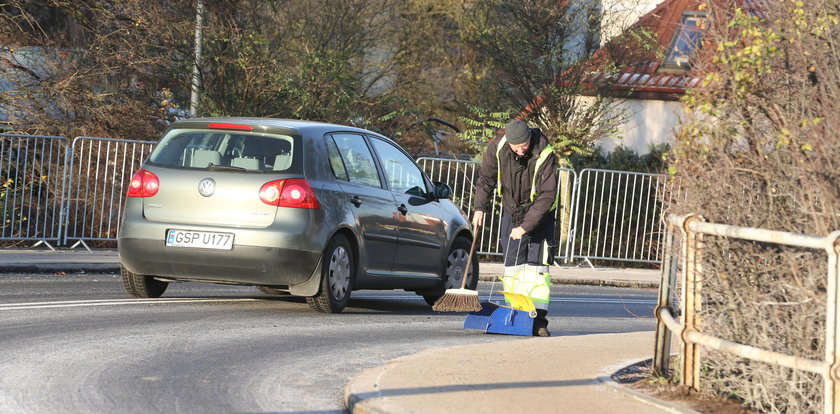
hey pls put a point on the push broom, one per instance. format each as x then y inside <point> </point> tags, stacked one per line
<point>461,300</point>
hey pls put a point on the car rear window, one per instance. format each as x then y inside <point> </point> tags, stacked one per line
<point>213,149</point>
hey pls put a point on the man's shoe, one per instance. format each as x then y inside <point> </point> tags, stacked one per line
<point>543,332</point>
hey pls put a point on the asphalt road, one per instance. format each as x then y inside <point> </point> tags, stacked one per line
<point>77,343</point>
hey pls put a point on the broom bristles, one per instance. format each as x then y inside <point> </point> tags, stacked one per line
<point>458,300</point>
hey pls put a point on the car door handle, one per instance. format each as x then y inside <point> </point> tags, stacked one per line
<point>356,201</point>
<point>402,209</point>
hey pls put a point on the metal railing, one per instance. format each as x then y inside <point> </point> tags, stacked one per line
<point>32,168</point>
<point>616,215</point>
<point>601,214</point>
<point>692,228</point>
<point>52,192</point>
<point>64,194</point>
<point>98,175</point>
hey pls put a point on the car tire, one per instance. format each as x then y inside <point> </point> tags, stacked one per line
<point>142,286</point>
<point>456,262</point>
<point>337,273</point>
<point>271,291</point>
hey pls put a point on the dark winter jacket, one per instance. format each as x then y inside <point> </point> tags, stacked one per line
<point>517,175</point>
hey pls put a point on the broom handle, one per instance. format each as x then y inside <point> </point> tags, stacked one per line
<point>469,258</point>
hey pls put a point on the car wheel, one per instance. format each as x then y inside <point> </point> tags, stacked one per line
<point>142,286</point>
<point>337,274</point>
<point>453,273</point>
<point>271,291</point>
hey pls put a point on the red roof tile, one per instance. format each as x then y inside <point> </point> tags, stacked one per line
<point>641,74</point>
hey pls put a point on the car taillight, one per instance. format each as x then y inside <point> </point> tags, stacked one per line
<point>143,184</point>
<point>292,192</point>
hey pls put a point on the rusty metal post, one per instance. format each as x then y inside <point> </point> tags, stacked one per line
<point>690,302</point>
<point>697,259</point>
<point>667,286</point>
<point>831,398</point>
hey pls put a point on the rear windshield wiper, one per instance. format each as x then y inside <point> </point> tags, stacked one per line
<point>214,167</point>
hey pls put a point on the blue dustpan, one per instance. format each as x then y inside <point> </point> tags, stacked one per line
<point>494,318</point>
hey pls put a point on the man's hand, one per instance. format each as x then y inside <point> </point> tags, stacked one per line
<point>478,219</point>
<point>517,233</point>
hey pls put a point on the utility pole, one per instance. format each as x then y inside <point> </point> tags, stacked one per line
<point>195,87</point>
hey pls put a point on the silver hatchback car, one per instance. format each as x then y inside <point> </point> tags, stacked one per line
<point>292,207</point>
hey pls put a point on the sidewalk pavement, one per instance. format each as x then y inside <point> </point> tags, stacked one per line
<point>562,374</point>
<point>51,261</point>
<point>566,374</point>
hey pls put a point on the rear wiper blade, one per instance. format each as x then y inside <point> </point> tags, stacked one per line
<point>214,167</point>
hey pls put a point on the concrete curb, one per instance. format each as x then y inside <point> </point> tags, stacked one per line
<point>109,268</point>
<point>637,284</point>
<point>640,396</point>
<point>107,261</point>
<point>357,396</point>
<point>55,267</point>
<point>60,267</point>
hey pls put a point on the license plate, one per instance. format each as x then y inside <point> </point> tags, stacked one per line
<point>199,239</point>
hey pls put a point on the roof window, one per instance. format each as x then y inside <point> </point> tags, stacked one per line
<point>686,41</point>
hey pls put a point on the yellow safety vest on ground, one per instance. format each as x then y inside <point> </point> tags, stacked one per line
<point>534,282</point>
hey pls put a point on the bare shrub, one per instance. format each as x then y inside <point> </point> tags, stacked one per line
<point>772,298</point>
<point>760,151</point>
<point>89,68</point>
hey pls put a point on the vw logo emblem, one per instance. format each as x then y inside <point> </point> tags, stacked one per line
<point>207,187</point>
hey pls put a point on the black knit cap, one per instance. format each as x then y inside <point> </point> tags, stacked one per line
<point>517,132</point>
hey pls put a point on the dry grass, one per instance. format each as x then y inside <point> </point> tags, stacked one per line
<point>640,377</point>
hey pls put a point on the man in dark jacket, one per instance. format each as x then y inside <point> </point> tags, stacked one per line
<point>522,168</point>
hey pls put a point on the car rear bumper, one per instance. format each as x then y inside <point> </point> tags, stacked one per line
<point>284,253</point>
<point>243,264</point>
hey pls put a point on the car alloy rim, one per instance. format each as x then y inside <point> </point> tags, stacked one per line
<point>339,272</point>
<point>455,265</point>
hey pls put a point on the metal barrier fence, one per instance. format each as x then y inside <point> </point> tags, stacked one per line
<point>616,215</point>
<point>461,176</point>
<point>52,192</point>
<point>692,228</point>
<point>601,214</point>
<point>97,180</point>
<point>31,173</point>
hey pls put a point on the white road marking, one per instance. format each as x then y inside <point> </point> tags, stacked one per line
<point>500,297</point>
<point>123,302</point>
<point>114,302</point>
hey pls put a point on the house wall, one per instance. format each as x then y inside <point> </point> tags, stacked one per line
<point>650,122</point>
<point>618,15</point>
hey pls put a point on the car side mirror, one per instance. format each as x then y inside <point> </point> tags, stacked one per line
<point>442,191</point>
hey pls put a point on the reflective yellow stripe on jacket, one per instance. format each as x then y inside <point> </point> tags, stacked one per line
<point>544,154</point>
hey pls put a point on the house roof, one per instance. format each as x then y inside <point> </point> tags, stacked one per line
<point>643,75</point>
